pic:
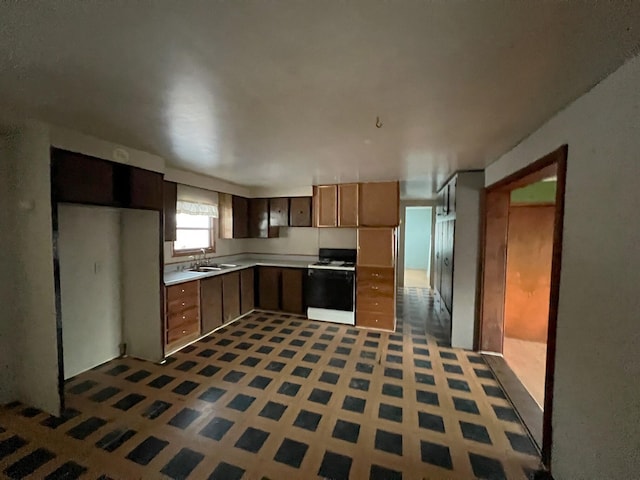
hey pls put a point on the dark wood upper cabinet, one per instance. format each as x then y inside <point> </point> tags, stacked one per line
<point>259,219</point>
<point>379,204</point>
<point>81,179</point>
<point>300,212</point>
<point>279,212</point>
<point>247,290</point>
<point>348,205</point>
<point>326,205</point>
<point>170,198</point>
<point>145,189</point>
<point>233,220</point>
<point>240,217</point>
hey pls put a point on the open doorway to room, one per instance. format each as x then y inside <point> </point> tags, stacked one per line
<point>520,288</point>
<point>528,285</point>
<point>417,247</point>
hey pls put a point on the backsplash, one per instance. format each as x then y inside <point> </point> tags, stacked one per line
<point>292,241</point>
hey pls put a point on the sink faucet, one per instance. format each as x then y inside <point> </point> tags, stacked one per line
<point>204,256</point>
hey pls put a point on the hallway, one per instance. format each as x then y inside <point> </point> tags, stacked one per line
<point>278,396</point>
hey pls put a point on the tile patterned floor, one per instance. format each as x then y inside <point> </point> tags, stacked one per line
<point>278,396</point>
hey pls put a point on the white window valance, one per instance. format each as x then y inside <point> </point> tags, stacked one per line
<point>197,208</point>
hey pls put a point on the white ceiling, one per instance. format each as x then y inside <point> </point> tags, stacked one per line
<point>287,92</point>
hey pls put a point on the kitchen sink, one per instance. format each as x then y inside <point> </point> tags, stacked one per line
<point>205,269</point>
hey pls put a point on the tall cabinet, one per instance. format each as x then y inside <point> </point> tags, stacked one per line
<point>378,219</point>
<point>456,247</point>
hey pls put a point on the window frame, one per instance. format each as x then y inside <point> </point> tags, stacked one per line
<point>213,233</point>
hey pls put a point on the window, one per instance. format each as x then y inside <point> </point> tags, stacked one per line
<point>195,227</point>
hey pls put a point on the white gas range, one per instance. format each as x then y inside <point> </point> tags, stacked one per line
<point>330,287</point>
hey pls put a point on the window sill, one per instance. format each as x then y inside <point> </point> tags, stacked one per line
<point>195,252</point>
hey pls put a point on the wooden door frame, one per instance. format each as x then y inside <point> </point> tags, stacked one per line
<point>494,238</point>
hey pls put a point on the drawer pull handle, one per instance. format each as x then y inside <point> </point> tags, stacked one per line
<point>376,274</point>
<point>374,288</point>
<point>184,316</point>
<point>182,290</point>
<point>184,331</point>
<point>183,304</point>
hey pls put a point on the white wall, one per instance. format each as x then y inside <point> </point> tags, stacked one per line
<point>96,147</point>
<point>7,312</point>
<point>140,283</point>
<point>467,259</point>
<point>89,252</point>
<point>35,333</point>
<point>303,241</point>
<point>596,396</point>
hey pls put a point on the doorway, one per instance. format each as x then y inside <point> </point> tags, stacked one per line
<point>520,287</point>
<point>417,247</point>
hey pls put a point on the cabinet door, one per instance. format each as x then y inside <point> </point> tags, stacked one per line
<point>230,296</point>
<point>300,212</point>
<point>240,212</point>
<point>279,212</point>
<point>246,290</point>
<point>170,193</point>
<point>259,219</point>
<point>211,303</point>
<point>225,215</point>
<point>81,179</point>
<point>379,204</point>
<point>348,205</point>
<point>269,288</point>
<point>327,206</point>
<point>376,247</point>
<point>292,290</point>
<point>145,189</point>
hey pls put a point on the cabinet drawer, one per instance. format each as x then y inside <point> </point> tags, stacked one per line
<point>376,274</point>
<point>182,290</point>
<point>181,304</point>
<point>378,288</point>
<point>186,332</point>
<point>375,304</point>
<point>374,320</point>
<point>187,317</point>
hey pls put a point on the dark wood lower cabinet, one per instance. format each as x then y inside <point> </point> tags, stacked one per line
<point>292,291</point>
<point>247,293</point>
<point>269,288</point>
<point>230,296</point>
<point>281,289</point>
<point>211,303</point>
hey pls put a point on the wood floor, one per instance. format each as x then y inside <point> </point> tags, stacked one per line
<point>281,397</point>
<point>416,278</point>
<point>528,361</point>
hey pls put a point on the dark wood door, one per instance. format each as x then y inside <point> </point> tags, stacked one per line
<point>259,218</point>
<point>211,303</point>
<point>240,213</point>
<point>170,195</point>
<point>145,189</point>
<point>379,204</point>
<point>269,288</point>
<point>348,205</point>
<point>279,212</point>
<point>376,247</point>
<point>81,179</point>
<point>247,294</point>
<point>230,296</point>
<point>327,205</point>
<point>300,212</point>
<point>292,290</point>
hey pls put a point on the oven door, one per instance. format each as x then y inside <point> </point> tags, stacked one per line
<point>330,289</point>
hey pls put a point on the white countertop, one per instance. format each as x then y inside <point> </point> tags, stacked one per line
<point>175,277</point>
